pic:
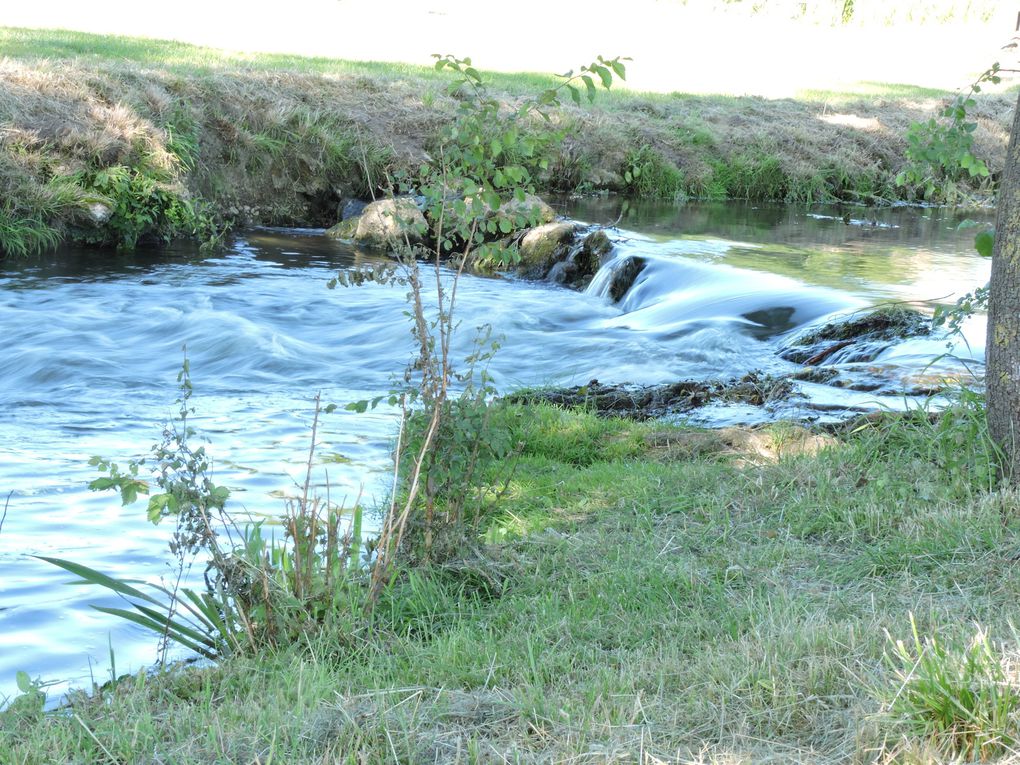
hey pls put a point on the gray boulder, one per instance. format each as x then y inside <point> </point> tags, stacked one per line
<point>352,209</point>
<point>390,222</point>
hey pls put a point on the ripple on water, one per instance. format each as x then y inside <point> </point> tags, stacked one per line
<point>93,347</point>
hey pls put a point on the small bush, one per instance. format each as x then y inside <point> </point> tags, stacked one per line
<point>143,206</point>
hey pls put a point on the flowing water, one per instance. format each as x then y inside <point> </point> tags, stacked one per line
<point>92,345</point>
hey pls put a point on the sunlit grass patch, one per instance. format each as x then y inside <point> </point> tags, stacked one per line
<point>958,696</point>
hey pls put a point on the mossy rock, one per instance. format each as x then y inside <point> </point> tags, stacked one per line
<point>868,333</point>
<point>625,273</point>
<point>545,245</point>
<point>886,323</point>
<point>345,229</point>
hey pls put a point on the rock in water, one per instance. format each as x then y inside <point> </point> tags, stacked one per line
<point>544,246</point>
<point>344,229</point>
<point>390,222</point>
<point>859,337</point>
<point>625,273</point>
<point>352,209</point>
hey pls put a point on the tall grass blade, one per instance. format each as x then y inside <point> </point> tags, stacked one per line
<point>91,576</point>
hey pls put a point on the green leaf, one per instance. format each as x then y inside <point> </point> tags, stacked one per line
<point>329,409</point>
<point>25,684</point>
<point>357,406</point>
<point>589,83</point>
<point>158,628</point>
<point>157,504</point>
<point>575,94</point>
<point>207,610</point>
<point>548,97</point>
<point>176,625</point>
<point>605,75</point>
<point>492,200</point>
<point>984,243</point>
<point>91,576</point>
<point>619,68</point>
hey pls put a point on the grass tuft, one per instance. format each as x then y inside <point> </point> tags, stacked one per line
<point>952,695</point>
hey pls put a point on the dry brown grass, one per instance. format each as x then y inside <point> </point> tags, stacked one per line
<point>286,147</point>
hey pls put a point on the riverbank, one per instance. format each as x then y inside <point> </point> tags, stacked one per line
<point>109,140</point>
<point>644,593</point>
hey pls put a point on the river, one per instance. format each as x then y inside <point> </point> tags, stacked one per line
<point>93,343</point>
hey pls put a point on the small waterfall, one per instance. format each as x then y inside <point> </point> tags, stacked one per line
<point>668,293</point>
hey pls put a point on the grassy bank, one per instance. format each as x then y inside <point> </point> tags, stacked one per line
<point>646,594</point>
<point>112,140</point>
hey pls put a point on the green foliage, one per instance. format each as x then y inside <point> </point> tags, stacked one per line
<point>632,574</point>
<point>27,707</point>
<point>956,696</point>
<point>259,591</point>
<point>754,176</point>
<point>940,151</point>
<point>143,205</point>
<point>475,195</point>
<point>952,317</point>
<point>190,619</point>
<point>984,243</point>
<point>466,440</point>
<point>189,495</point>
<point>649,174</point>
<point>488,159</point>
<point>25,235</point>
<point>961,444</point>
<point>954,442</point>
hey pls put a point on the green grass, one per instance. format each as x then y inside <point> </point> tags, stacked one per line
<point>62,44</point>
<point>636,601</point>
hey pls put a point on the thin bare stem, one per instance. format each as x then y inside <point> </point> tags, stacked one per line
<point>7,502</point>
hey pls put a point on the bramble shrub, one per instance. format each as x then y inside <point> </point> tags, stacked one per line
<point>475,196</point>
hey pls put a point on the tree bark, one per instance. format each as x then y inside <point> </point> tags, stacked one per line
<point>1002,349</point>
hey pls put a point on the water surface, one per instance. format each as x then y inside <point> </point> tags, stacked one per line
<point>93,343</point>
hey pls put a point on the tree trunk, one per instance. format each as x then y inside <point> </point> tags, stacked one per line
<point>1002,370</point>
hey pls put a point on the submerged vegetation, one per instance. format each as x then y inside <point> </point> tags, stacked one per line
<point>97,129</point>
